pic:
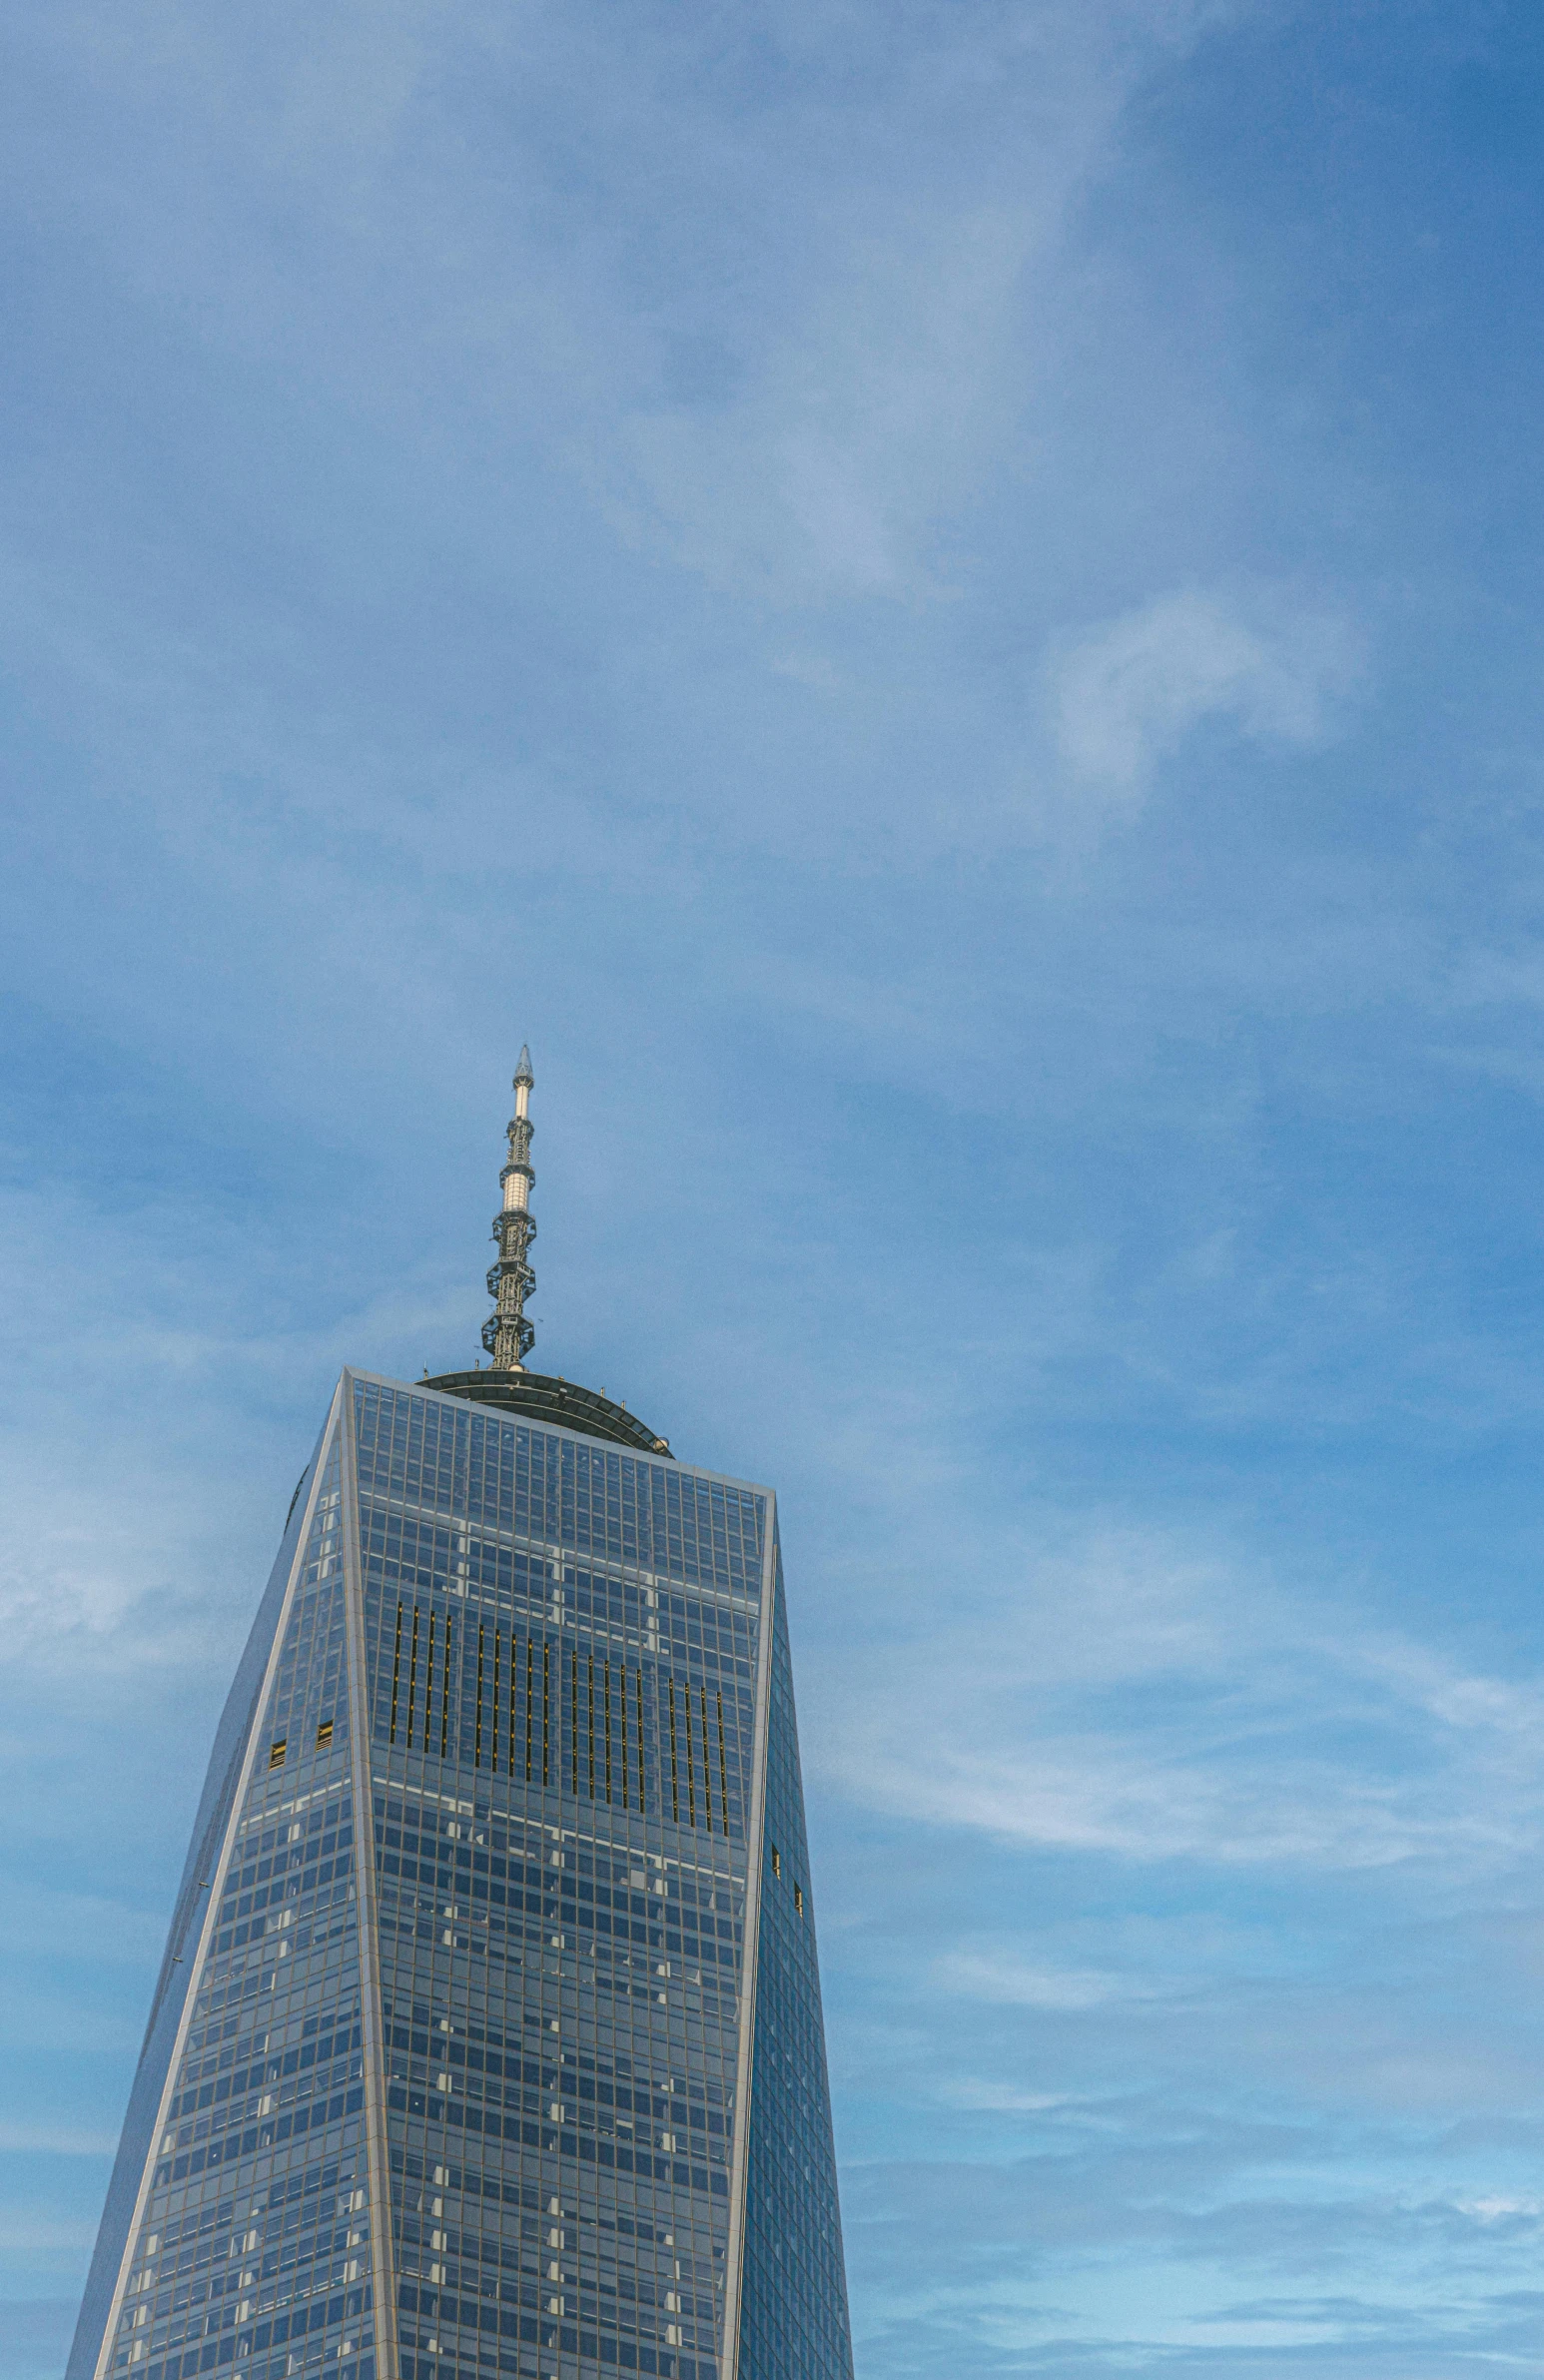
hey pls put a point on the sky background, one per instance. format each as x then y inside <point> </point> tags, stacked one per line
<point>942,605</point>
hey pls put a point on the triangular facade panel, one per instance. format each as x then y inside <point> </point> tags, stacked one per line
<point>793,2308</point>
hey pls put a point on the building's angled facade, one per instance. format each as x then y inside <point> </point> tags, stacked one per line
<point>487,2039</point>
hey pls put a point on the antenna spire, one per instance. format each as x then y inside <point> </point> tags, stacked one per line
<point>506,1334</point>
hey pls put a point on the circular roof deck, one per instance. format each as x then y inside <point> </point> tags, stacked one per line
<point>540,1397</point>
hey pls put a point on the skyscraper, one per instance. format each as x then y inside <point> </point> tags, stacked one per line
<point>487,2039</point>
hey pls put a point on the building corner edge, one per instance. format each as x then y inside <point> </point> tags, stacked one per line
<point>734,2257</point>
<point>382,2262</point>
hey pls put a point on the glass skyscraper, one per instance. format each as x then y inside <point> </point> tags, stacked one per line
<point>488,2037</point>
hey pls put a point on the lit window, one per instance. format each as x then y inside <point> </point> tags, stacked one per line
<point>798,1899</point>
<point>324,1733</point>
<point>276,1752</point>
<point>777,1856</point>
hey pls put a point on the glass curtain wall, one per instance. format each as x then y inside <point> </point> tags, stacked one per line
<point>456,2083</point>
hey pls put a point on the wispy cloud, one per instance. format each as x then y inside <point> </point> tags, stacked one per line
<point>1017,1982</point>
<point>1126,694</point>
<point>1141,1702</point>
<point>55,2140</point>
<point>835,445</point>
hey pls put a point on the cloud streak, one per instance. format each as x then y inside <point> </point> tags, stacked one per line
<point>1135,1702</point>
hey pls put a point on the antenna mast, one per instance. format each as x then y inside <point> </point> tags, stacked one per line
<point>507,1334</point>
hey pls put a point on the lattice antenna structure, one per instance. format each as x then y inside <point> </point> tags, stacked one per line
<point>507,1334</point>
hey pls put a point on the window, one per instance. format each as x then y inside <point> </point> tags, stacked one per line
<point>324,1734</point>
<point>276,1752</point>
<point>777,1861</point>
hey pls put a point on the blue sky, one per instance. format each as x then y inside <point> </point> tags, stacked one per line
<point>942,605</point>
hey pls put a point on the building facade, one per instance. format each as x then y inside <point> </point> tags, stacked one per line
<point>488,2037</point>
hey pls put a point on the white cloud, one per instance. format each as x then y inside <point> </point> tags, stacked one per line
<point>1125,694</point>
<point>55,2140</point>
<point>980,2097</point>
<point>1015,1981</point>
<point>1135,1700</point>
